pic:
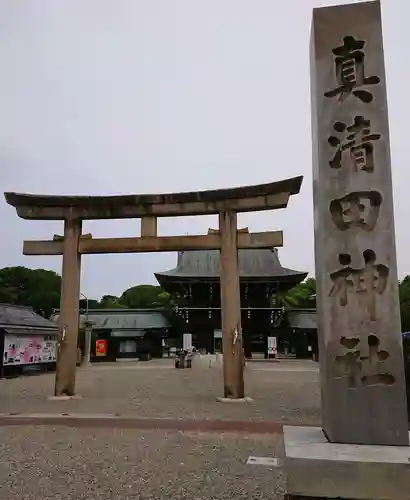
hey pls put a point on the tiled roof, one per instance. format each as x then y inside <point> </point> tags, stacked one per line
<point>118,319</point>
<point>12,315</point>
<point>305,320</point>
<point>252,264</point>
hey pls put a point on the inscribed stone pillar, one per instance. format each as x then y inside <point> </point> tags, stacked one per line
<point>69,310</point>
<point>361,358</point>
<point>233,360</point>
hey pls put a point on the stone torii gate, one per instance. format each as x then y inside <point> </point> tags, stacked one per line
<point>224,202</point>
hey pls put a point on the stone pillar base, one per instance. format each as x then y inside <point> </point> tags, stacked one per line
<point>316,469</point>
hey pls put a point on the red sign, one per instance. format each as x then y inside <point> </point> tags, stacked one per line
<point>101,347</point>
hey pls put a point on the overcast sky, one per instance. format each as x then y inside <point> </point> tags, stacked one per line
<point>137,96</point>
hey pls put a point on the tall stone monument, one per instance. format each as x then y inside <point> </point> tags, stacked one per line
<point>361,358</point>
<point>361,451</point>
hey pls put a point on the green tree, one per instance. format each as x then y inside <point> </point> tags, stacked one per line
<point>38,288</point>
<point>111,302</point>
<point>145,297</point>
<point>92,304</point>
<point>300,296</point>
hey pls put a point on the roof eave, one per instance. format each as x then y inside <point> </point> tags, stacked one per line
<point>169,277</point>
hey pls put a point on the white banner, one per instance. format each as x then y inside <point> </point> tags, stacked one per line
<point>28,350</point>
<point>272,345</point>
<point>187,342</point>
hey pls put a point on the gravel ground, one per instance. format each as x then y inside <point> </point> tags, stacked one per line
<point>40,463</point>
<point>67,463</point>
<point>286,392</point>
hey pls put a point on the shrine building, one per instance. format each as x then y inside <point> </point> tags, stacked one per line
<point>194,284</point>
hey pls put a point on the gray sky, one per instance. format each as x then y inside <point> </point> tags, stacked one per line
<point>131,96</point>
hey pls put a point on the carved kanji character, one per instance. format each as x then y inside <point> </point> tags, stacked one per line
<point>359,368</point>
<point>369,280</point>
<point>350,74</point>
<point>358,141</point>
<point>359,209</point>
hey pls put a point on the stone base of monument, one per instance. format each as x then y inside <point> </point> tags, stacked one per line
<point>246,399</point>
<point>316,469</point>
<point>64,397</point>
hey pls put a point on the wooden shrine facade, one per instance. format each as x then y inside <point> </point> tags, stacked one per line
<point>194,284</point>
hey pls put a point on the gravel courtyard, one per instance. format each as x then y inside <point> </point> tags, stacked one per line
<point>286,392</point>
<point>70,463</point>
<point>41,463</point>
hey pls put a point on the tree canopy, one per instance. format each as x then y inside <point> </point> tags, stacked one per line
<point>111,302</point>
<point>38,288</point>
<point>302,295</point>
<point>145,296</point>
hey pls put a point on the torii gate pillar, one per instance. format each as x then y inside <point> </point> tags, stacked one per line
<point>69,305</point>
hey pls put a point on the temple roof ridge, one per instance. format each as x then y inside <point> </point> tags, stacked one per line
<point>260,263</point>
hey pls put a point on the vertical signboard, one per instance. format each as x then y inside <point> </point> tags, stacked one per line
<point>272,347</point>
<point>187,342</point>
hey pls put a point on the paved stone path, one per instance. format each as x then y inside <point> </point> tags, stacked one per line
<point>73,462</point>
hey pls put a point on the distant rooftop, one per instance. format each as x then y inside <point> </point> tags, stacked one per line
<point>122,319</point>
<point>303,319</point>
<point>23,316</point>
<point>253,264</point>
